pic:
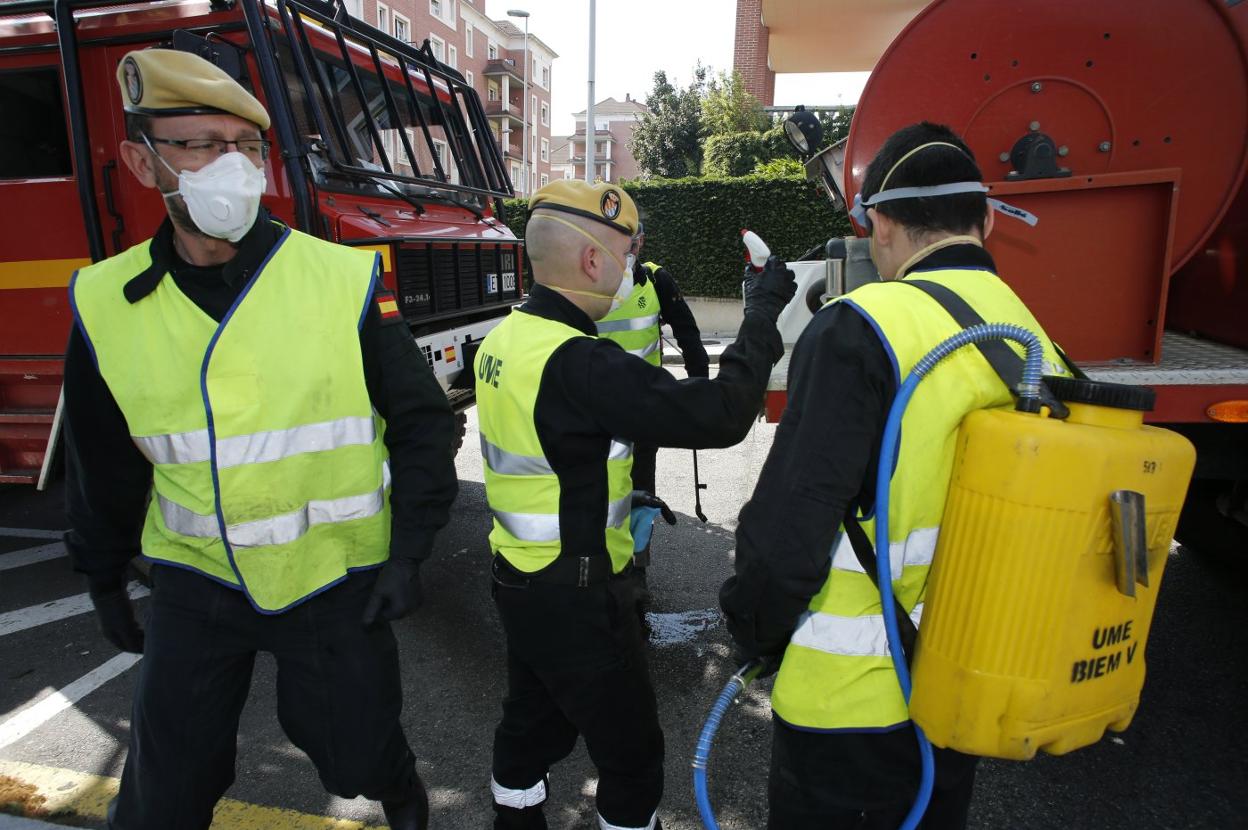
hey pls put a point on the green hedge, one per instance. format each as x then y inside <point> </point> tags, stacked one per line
<point>693,226</point>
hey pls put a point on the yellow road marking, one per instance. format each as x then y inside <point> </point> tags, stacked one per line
<point>63,792</point>
<point>384,250</point>
<point>39,273</point>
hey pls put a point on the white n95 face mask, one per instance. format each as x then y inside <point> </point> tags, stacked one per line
<point>626,285</point>
<point>223,197</point>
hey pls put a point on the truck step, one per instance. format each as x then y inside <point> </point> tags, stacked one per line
<point>29,389</point>
<point>27,416</point>
<point>19,476</point>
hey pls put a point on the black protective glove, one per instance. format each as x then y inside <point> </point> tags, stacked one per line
<point>116,617</point>
<point>398,591</point>
<point>770,663</point>
<point>641,498</point>
<point>771,289</point>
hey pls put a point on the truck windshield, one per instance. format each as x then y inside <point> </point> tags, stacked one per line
<point>379,113</point>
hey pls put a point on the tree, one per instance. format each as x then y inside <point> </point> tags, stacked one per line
<point>668,141</point>
<point>732,154</point>
<point>729,107</point>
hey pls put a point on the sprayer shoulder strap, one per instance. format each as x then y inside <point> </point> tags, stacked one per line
<point>1003,360</point>
<point>865,554</point>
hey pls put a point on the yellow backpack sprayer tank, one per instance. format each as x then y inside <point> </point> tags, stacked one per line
<point>1051,552</point>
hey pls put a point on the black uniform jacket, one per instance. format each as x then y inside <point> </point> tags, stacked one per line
<point>592,391</point>
<point>108,479</point>
<point>674,311</point>
<point>841,385</point>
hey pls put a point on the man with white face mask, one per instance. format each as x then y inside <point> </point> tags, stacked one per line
<point>228,384</point>
<point>559,410</point>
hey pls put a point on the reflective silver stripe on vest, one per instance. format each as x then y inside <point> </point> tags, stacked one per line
<point>646,351</point>
<point>278,530</point>
<point>629,324</point>
<point>919,548</point>
<point>518,799</point>
<point>617,511</point>
<point>847,636</point>
<point>544,527</point>
<point>513,464</point>
<point>175,448</point>
<point>258,447</point>
<point>187,522</point>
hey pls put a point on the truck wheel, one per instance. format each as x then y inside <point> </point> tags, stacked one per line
<point>1205,529</point>
<point>461,429</point>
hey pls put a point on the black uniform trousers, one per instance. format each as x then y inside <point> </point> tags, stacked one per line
<point>861,781</point>
<point>338,698</point>
<point>576,665</point>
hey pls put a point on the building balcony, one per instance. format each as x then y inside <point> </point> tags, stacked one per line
<point>514,110</point>
<point>504,66</point>
<point>600,135</point>
<point>512,151</point>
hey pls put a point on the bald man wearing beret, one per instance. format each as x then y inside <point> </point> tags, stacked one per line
<point>240,412</point>
<point>559,410</point>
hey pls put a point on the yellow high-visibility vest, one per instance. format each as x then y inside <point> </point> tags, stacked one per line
<point>635,324</point>
<point>269,470</point>
<point>837,672</point>
<point>520,486</point>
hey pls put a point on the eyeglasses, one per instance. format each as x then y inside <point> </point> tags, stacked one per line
<point>256,149</point>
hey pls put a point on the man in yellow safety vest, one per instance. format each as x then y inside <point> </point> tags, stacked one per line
<point>844,753</point>
<point>559,411</point>
<point>228,384</point>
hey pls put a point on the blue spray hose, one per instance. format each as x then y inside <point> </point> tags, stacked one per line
<point>736,684</point>
<point>1029,387</point>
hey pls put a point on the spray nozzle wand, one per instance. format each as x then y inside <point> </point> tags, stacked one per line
<point>756,249</point>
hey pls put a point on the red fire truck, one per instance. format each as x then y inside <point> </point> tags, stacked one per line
<point>1122,125</point>
<point>376,145</point>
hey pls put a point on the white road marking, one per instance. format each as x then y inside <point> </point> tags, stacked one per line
<point>31,718</point>
<point>31,533</point>
<point>31,556</point>
<point>58,609</point>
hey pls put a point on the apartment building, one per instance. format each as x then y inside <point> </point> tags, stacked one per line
<point>614,123</point>
<point>490,55</point>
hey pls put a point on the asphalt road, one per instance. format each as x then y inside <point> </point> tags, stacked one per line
<point>1181,764</point>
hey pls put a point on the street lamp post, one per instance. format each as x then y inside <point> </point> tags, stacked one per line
<point>524,139</point>
<point>591,137</point>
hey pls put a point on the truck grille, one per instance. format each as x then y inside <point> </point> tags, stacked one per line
<point>440,278</point>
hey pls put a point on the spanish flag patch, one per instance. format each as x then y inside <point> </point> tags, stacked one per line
<point>387,305</point>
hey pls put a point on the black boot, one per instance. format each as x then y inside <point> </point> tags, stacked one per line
<point>411,813</point>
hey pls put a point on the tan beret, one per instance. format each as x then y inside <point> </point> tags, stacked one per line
<point>161,82</point>
<point>603,202</point>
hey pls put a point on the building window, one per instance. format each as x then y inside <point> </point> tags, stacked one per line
<point>438,45</point>
<point>533,110</point>
<point>546,77</point>
<point>452,57</point>
<point>491,91</point>
<point>355,8</point>
<point>491,51</point>
<point>545,114</point>
<point>402,28</point>
<point>468,33</point>
<point>545,180</point>
<point>383,17</point>
<point>468,76</point>
<point>515,176</point>
<point>545,150</point>
<point>436,8</point>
